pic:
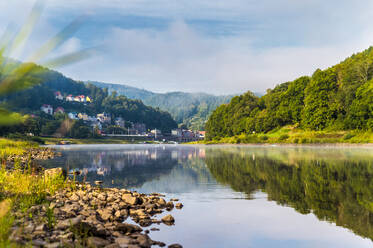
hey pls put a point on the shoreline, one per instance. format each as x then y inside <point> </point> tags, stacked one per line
<point>76,214</point>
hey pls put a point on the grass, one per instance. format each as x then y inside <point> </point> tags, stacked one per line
<point>291,135</point>
<point>13,147</point>
<point>20,188</point>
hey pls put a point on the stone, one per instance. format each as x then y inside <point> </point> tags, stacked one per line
<point>52,245</point>
<point>174,199</point>
<point>124,241</point>
<point>170,205</point>
<point>51,173</point>
<point>64,224</point>
<point>154,229</point>
<point>128,198</point>
<point>127,228</point>
<point>94,242</point>
<point>41,227</point>
<point>105,214</point>
<point>168,219</point>
<point>175,246</point>
<point>179,205</point>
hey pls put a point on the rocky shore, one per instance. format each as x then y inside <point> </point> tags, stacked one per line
<point>31,156</point>
<point>82,215</point>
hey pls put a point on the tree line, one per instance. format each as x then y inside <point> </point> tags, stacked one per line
<point>337,98</point>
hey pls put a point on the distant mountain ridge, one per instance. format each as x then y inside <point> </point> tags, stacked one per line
<point>191,109</point>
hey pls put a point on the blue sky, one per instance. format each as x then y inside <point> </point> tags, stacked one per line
<point>217,47</point>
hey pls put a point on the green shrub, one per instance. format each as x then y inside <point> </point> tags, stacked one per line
<point>348,136</point>
<point>283,137</point>
<point>264,138</point>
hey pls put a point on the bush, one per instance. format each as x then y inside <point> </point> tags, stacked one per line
<point>264,138</point>
<point>348,136</point>
<point>296,141</point>
<point>283,137</point>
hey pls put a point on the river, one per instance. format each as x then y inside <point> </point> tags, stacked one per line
<point>243,196</point>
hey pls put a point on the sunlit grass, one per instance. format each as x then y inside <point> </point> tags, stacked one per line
<point>11,147</point>
<point>291,135</point>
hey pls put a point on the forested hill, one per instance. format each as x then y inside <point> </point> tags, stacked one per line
<point>191,109</point>
<point>30,101</point>
<point>338,98</point>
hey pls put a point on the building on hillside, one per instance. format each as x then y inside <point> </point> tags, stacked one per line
<point>201,134</point>
<point>70,98</point>
<point>92,118</point>
<point>48,109</point>
<point>97,125</point>
<point>59,110</point>
<point>104,118</point>
<point>76,99</point>
<point>177,133</point>
<point>156,132</point>
<point>83,116</point>
<point>119,121</point>
<point>73,115</point>
<point>140,128</point>
<point>58,95</point>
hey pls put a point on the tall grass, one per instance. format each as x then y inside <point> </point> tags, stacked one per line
<point>20,188</point>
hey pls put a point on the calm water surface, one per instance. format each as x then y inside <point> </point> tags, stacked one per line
<point>243,196</point>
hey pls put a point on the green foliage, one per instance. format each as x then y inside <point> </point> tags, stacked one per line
<point>191,109</point>
<point>338,98</point>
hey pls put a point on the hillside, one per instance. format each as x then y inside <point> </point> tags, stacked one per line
<point>191,109</point>
<point>337,98</point>
<point>30,101</point>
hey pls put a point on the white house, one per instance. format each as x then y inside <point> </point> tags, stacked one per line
<point>69,98</point>
<point>73,116</point>
<point>58,95</point>
<point>48,109</point>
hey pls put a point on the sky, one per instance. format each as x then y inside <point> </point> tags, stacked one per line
<point>218,47</point>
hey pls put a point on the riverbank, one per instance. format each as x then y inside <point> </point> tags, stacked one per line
<point>291,135</point>
<point>43,208</point>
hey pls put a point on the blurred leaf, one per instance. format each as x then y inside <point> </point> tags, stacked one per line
<point>9,118</point>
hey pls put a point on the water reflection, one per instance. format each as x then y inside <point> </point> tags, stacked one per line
<point>334,184</point>
<point>229,186</point>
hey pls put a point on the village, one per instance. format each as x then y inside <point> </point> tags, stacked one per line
<point>106,124</point>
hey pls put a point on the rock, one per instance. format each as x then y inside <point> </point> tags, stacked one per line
<point>64,224</point>
<point>144,240</point>
<point>170,205</point>
<point>112,246</point>
<point>124,241</point>
<point>174,199</point>
<point>105,214</point>
<point>52,245</point>
<point>161,202</point>
<point>127,228</point>
<point>51,173</point>
<point>128,198</point>
<point>175,246</point>
<point>94,242</point>
<point>168,219</point>
<point>41,227</point>
<point>179,205</point>
<point>154,229</point>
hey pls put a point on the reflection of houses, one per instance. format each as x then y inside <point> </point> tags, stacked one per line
<point>46,108</point>
<point>59,110</point>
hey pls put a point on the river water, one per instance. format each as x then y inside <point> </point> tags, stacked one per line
<point>243,196</point>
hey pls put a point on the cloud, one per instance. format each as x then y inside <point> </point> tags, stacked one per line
<point>219,47</point>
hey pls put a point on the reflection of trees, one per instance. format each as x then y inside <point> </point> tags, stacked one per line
<point>337,190</point>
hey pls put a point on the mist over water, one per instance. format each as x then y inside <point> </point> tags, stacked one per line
<point>244,196</point>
